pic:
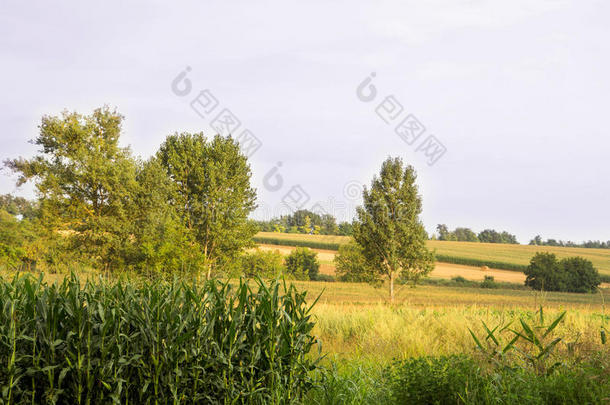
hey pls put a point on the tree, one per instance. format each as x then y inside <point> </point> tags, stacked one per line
<point>163,244</point>
<point>443,232</point>
<point>572,274</point>
<point>388,228</point>
<point>329,225</point>
<point>303,263</point>
<point>85,182</point>
<point>261,263</point>
<point>346,229</point>
<point>465,235</point>
<point>581,275</point>
<point>543,273</point>
<point>352,266</point>
<point>212,194</point>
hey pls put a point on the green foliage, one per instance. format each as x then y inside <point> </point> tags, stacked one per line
<point>84,181</point>
<point>531,347</point>
<point>18,206</point>
<point>262,263</point>
<point>388,228</point>
<point>489,282</point>
<point>302,264</point>
<point>492,236</point>
<point>351,265</point>
<point>479,263</point>
<point>572,274</point>
<point>212,194</point>
<point>462,380</point>
<point>153,343</point>
<point>12,242</point>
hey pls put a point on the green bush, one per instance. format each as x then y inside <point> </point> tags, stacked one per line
<point>261,263</point>
<point>572,274</point>
<point>489,282</point>
<point>302,264</point>
<point>462,380</point>
<point>153,342</point>
<point>351,265</point>
<point>325,277</point>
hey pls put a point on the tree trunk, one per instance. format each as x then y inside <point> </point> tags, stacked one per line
<point>391,287</point>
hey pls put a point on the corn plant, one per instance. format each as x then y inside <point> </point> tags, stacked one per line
<point>154,343</point>
<point>533,344</point>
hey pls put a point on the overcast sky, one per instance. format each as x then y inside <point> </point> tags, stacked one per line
<point>516,92</point>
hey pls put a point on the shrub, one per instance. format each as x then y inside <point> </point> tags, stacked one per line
<point>261,263</point>
<point>489,282</point>
<point>460,379</point>
<point>573,274</point>
<point>153,342</point>
<point>325,277</point>
<point>351,265</point>
<point>302,263</point>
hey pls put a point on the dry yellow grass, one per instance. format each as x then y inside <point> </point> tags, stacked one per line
<point>355,321</point>
<point>441,270</point>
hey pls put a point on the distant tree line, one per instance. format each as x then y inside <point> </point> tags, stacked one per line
<point>306,222</point>
<point>591,244</point>
<point>468,235</point>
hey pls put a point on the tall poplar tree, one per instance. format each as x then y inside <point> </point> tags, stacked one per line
<point>388,228</point>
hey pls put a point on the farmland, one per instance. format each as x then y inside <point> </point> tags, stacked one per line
<point>517,256</point>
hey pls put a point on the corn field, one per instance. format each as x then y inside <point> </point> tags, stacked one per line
<point>153,343</point>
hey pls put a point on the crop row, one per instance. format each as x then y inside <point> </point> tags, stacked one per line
<point>153,342</point>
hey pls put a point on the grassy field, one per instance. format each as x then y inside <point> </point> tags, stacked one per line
<point>360,334</point>
<point>518,255</point>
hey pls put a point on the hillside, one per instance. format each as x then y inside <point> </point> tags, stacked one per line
<point>501,256</point>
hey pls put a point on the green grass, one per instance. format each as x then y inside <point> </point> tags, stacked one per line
<point>495,255</point>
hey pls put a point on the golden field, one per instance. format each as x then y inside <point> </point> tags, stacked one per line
<point>354,321</point>
<point>516,254</point>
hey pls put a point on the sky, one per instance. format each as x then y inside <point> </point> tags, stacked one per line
<point>501,107</point>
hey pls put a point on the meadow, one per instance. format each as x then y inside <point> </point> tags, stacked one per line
<point>360,337</point>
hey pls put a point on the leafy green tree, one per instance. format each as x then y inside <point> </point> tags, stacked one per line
<point>85,182</point>
<point>18,206</point>
<point>346,229</point>
<point>572,274</point>
<point>262,263</point>
<point>544,273</point>
<point>11,241</point>
<point>492,236</point>
<point>212,194</point>
<point>582,276</point>
<point>306,227</point>
<point>162,242</point>
<point>329,225</point>
<point>352,266</point>
<point>302,263</point>
<point>443,232</point>
<point>465,235</point>
<point>388,228</point>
